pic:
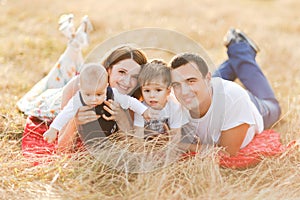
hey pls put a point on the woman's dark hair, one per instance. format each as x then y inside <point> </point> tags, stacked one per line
<point>123,53</point>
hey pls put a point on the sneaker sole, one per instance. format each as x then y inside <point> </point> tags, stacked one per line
<point>250,41</point>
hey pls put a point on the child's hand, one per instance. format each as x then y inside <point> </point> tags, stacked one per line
<point>151,114</point>
<point>50,135</point>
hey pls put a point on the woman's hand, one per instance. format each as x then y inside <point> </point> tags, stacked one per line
<point>118,114</point>
<point>113,108</point>
<point>86,115</point>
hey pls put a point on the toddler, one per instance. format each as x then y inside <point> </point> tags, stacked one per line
<point>155,82</point>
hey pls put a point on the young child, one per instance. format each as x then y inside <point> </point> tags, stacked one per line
<point>94,90</point>
<point>155,82</point>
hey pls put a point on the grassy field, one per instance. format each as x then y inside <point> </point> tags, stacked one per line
<point>30,44</point>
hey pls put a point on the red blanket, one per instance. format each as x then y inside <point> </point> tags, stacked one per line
<point>34,147</point>
<point>33,143</point>
<point>265,144</point>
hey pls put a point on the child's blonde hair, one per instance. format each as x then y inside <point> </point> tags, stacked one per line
<point>93,73</point>
<point>156,69</point>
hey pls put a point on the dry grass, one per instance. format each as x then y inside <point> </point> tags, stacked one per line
<point>30,44</point>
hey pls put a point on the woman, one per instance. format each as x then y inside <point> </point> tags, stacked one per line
<point>123,66</point>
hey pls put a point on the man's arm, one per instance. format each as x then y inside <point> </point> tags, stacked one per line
<point>233,138</point>
<point>188,147</point>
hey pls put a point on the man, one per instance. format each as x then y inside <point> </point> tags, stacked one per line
<point>220,111</point>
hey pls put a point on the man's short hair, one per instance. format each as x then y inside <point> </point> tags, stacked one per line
<point>184,58</point>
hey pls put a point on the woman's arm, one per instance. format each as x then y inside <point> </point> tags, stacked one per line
<point>69,90</point>
<point>66,137</point>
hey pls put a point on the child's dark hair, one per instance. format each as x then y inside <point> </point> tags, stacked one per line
<point>154,70</point>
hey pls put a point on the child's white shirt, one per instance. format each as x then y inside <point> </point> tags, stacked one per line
<point>70,110</point>
<point>172,112</point>
<point>128,102</point>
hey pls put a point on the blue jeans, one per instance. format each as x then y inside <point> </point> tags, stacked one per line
<point>241,64</point>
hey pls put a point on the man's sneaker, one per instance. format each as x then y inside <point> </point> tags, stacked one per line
<point>236,35</point>
<point>229,37</point>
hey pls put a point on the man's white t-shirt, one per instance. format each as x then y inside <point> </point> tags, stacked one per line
<point>231,106</point>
